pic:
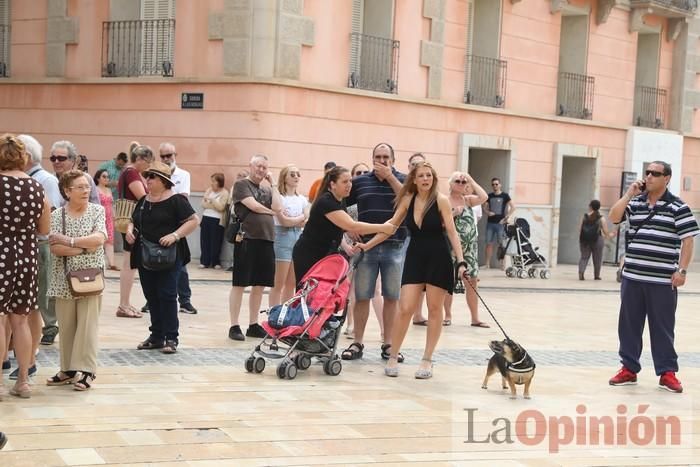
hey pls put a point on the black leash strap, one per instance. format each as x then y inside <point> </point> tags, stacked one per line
<point>488,309</point>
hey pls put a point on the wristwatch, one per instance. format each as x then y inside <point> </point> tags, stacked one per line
<point>682,271</point>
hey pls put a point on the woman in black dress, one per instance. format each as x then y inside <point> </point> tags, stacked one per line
<point>428,264</point>
<point>328,220</point>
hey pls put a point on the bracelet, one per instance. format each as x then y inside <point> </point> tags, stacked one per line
<point>177,237</point>
<point>72,242</point>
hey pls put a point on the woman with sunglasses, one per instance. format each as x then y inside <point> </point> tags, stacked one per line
<point>211,230</point>
<point>102,181</point>
<point>164,218</point>
<point>288,225</point>
<point>131,186</point>
<point>465,196</point>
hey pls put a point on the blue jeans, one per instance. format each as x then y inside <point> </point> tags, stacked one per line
<point>385,259</point>
<point>184,292</point>
<point>494,232</point>
<point>160,289</point>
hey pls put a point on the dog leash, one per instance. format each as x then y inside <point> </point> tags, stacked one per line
<point>487,309</point>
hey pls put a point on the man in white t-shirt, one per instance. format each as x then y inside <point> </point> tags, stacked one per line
<point>181,178</point>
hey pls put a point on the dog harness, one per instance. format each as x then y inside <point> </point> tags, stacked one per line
<point>514,366</point>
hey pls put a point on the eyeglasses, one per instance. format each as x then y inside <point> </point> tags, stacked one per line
<point>150,176</point>
<point>654,173</point>
<point>295,174</point>
<point>81,187</point>
<point>167,156</point>
<point>495,184</point>
<point>58,158</point>
<point>461,182</point>
<point>361,172</point>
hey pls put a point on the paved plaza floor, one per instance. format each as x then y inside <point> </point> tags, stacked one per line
<point>201,408</point>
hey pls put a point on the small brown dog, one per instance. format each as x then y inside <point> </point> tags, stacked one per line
<point>514,364</point>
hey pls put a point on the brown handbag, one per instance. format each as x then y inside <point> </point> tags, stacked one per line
<point>123,209</point>
<point>83,282</point>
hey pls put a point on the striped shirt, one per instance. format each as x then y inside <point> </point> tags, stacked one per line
<point>653,252</point>
<point>375,201</point>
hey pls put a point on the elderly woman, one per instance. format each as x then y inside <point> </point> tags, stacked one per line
<point>19,259</point>
<point>78,234</point>
<point>212,233</point>
<point>465,196</point>
<point>131,186</point>
<point>163,218</point>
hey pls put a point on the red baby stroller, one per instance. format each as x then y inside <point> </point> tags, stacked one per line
<point>324,290</point>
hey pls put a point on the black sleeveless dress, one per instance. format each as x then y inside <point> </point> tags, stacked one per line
<point>428,259</point>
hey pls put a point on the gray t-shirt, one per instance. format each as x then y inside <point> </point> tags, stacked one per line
<point>255,226</point>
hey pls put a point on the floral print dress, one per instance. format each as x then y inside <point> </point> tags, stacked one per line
<point>465,223</point>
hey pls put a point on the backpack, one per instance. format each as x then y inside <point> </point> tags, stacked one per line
<point>590,230</point>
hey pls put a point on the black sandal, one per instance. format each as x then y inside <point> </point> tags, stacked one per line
<point>353,352</point>
<point>170,346</point>
<point>386,354</point>
<point>85,382</point>
<point>56,379</point>
<point>151,344</point>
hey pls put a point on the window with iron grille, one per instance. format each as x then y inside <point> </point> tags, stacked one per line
<point>141,47</point>
<point>4,38</point>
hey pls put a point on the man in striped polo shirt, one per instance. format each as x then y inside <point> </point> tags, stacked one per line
<point>660,243</point>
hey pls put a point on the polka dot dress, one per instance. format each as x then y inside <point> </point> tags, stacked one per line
<point>21,205</point>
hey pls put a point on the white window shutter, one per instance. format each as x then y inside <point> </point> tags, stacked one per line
<point>4,12</point>
<point>157,37</point>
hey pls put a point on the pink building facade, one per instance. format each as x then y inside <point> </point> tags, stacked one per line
<point>556,97</point>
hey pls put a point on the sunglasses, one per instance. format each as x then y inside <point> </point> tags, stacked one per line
<point>166,156</point>
<point>361,172</point>
<point>58,158</point>
<point>81,187</point>
<point>461,182</point>
<point>295,174</point>
<point>150,176</point>
<point>654,173</point>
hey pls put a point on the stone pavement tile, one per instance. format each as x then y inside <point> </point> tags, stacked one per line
<point>40,458</point>
<point>141,437</point>
<point>169,453</point>
<point>69,441</point>
<point>80,456</point>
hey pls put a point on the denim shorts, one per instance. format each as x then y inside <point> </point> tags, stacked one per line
<point>494,232</point>
<point>385,259</point>
<point>285,238</point>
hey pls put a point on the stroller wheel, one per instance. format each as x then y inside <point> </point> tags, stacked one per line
<point>522,274</point>
<point>249,367</point>
<point>333,367</point>
<point>510,272</point>
<point>259,365</point>
<point>290,370</point>
<point>545,274</point>
<point>282,370</point>
<point>532,273</point>
<point>303,362</point>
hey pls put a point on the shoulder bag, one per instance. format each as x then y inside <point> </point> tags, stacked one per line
<point>154,256</point>
<point>123,209</point>
<point>233,229</point>
<point>82,282</point>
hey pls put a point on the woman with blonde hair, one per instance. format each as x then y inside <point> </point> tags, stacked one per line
<point>428,265</point>
<point>19,262</point>
<point>465,219</point>
<point>288,224</point>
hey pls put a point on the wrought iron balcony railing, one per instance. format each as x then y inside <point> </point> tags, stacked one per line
<point>138,47</point>
<point>649,107</point>
<point>374,63</point>
<point>575,95</point>
<point>486,81</point>
<point>667,8</point>
<point>4,50</point>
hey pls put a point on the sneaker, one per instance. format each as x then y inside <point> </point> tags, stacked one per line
<point>15,374</point>
<point>229,269</point>
<point>3,440</point>
<point>6,365</point>
<point>145,308</point>
<point>188,308</point>
<point>201,266</point>
<point>669,382</point>
<point>47,339</point>
<point>235,333</point>
<point>255,330</point>
<point>217,267</point>
<point>624,377</point>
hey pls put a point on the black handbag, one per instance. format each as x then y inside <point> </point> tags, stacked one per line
<point>232,229</point>
<point>156,257</point>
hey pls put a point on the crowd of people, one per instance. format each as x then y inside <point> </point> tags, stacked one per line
<point>418,245</point>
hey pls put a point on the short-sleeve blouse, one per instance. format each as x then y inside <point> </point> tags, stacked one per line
<point>92,220</point>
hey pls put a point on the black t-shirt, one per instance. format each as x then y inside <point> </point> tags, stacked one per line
<point>497,205</point>
<point>155,220</point>
<point>320,233</point>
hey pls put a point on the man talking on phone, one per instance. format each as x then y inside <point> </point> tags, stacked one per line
<point>660,244</point>
<point>256,199</point>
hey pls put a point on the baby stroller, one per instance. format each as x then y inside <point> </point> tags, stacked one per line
<point>525,260</point>
<point>324,291</point>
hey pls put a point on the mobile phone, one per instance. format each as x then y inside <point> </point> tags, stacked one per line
<point>643,186</point>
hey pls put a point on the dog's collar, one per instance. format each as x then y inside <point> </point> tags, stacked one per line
<point>512,366</point>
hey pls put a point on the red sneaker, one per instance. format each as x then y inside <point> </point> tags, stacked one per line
<point>669,382</point>
<point>623,377</point>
